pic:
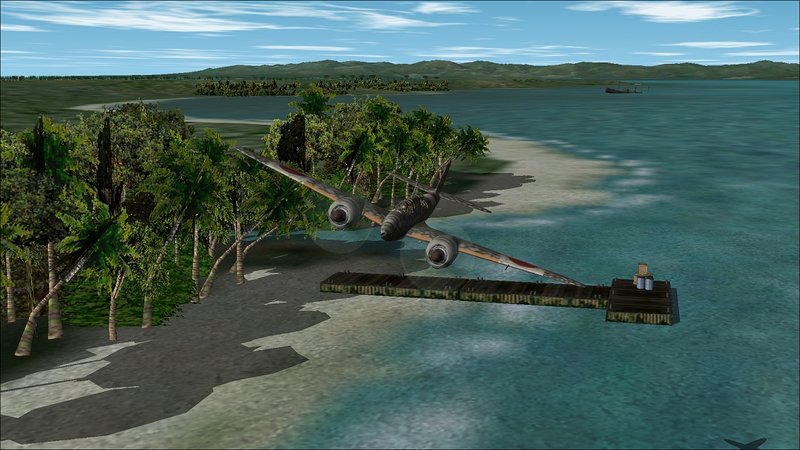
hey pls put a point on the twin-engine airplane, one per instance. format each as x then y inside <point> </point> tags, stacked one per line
<point>407,219</point>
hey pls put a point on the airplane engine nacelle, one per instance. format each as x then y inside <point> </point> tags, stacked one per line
<point>441,251</point>
<point>345,212</point>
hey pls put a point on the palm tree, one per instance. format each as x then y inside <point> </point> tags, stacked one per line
<point>205,155</point>
<point>442,136</point>
<point>470,144</point>
<point>94,235</point>
<point>398,140</point>
<point>9,234</point>
<point>51,152</point>
<point>315,101</point>
<point>173,185</point>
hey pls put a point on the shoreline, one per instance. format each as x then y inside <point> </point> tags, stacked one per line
<point>341,351</point>
<point>561,179</point>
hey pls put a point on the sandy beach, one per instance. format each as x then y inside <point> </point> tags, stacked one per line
<point>318,344</point>
<point>99,107</point>
<point>561,179</point>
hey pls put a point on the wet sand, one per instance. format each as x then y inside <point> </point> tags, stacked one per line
<point>307,345</point>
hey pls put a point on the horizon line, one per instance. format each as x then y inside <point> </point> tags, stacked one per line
<point>408,64</point>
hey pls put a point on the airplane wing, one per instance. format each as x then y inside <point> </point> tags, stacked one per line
<point>424,233</point>
<point>372,212</point>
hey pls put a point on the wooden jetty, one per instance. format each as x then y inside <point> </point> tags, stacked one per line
<point>626,303</point>
<point>622,301</point>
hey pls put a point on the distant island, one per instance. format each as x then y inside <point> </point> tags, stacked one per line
<point>477,74</point>
<point>489,74</point>
<point>24,97</point>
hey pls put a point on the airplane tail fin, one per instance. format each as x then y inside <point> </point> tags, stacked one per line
<point>438,188</point>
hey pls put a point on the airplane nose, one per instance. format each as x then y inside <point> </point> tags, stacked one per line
<point>383,234</point>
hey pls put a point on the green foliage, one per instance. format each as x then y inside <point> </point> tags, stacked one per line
<point>315,101</point>
<point>170,178</point>
<point>50,151</point>
<point>479,74</point>
<point>94,230</point>
<point>10,234</point>
<point>82,306</point>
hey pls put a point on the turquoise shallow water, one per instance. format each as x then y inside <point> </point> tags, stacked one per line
<point>708,196</point>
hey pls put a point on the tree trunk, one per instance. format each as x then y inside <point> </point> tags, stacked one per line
<point>436,172</point>
<point>213,272</point>
<point>391,198</point>
<point>378,193</point>
<point>252,244</point>
<point>177,253</point>
<point>147,311</point>
<point>54,327</point>
<point>349,171</point>
<point>212,244</point>
<point>195,259</point>
<point>112,310</point>
<point>24,346</point>
<point>30,288</point>
<point>239,254</point>
<point>415,185</point>
<point>410,174</point>
<point>11,308</point>
<point>358,178</point>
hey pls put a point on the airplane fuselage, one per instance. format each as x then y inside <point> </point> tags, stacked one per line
<point>407,214</point>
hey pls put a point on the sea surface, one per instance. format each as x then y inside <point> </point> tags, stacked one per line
<point>708,196</point>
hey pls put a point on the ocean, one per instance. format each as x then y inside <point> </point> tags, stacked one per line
<point>707,195</point>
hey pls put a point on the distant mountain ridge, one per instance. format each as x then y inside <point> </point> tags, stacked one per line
<point>489,71</point>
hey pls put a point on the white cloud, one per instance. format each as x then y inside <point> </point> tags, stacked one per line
<point>444,8</point>
<point>217,17</point>
<point>161,16</point>
<point>794,52</point>
<point>356,41</point>
<point>550,47</point>
<point>379,21</point>
<point>717,44</point>
<point>796,29</point>
<point>13,27</point>
<point>363,56</point>
<point>312,48</point>
<point>508,19</point>
<point>756,31</point>
<point>693,60</point>
<point>670,11</point>
<point>14,52</point>
<point>462,52</point>
<point>169,53</point>
<point>658,53</point>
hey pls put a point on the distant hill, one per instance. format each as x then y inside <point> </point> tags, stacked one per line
<point>488,73</point>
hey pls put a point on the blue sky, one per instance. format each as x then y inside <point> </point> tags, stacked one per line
<point>101,37</point>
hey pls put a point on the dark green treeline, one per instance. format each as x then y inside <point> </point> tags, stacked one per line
<point>142,210</point>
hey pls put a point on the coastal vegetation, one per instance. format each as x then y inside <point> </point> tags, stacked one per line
<point>466,75</point>
<point>346,86</point>
<point>123,215</point>
<point>24,98</point>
